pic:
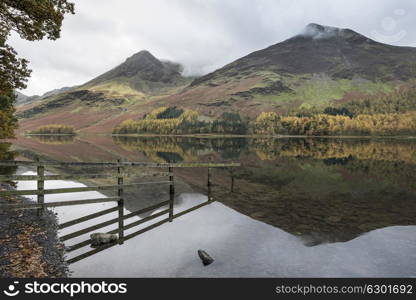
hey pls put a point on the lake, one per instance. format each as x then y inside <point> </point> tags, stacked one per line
<point>300,206</point>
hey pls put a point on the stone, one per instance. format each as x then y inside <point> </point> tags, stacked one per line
<point>204,256</point>
<point>98,239</point>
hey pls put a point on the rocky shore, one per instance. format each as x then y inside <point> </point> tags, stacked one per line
<point>29,246</point>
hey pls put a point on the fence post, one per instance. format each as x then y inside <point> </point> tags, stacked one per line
<point>41,187</point>
<point>209,184</point>
<point>171,193</point>
<point>120,204</point>
<point>232,180</point>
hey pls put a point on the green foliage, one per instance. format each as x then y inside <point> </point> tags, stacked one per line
<point>333,111</point>
<point>32,20</point>
<point>231,123</point>
<point>7,120</point>
<point>170,113</point>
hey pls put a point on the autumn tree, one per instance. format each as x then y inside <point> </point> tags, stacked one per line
<point>32,20</point>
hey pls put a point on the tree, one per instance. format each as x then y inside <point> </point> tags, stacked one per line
<point>32,20</point>
<point>7,120</point>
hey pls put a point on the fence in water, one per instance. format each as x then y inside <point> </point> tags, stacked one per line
<point>146,171</point>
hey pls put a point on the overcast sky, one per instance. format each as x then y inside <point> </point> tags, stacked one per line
<point>203,35</point>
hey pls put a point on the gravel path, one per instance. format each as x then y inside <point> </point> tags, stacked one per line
<point>29,246</point>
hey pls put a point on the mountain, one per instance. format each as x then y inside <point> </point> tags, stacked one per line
<point>55,92</point>
<point>121,91</point>
<point>143,72</point>
<point>338,53</point>
<point>322,66</point>
<point>21,98</point>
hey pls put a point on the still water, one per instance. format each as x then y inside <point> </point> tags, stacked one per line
<point>300,207</point>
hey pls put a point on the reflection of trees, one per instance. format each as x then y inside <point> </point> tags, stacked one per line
<point>54,139</point>
<point>159,149</point>
<point>398,172</point>
<point>7,154</point>
<point>163,148</point>
<point>392,160</point>
<point>390,150</point>
<point>230,148</point>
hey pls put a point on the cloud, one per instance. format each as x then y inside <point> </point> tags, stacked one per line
<point>203,35</point>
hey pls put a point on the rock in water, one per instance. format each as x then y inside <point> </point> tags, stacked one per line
<point>98,239</point>
<point>206,259</point>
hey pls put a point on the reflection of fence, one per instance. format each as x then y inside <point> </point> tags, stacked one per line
<point>40,192</point>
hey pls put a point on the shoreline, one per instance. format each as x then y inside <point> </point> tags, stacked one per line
<point>24,237</point>
<point>215,135</point>
<point>211,135</point>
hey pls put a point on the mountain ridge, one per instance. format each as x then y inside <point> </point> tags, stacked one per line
<point>319,67</point>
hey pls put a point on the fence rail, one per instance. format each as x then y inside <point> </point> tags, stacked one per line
<point>117,164</point>
<point>167,207</point>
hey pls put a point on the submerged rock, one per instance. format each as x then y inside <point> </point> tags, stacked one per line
<point>98,239</point>
<point>206,259</point>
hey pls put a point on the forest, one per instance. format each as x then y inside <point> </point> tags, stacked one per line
<point>364,117</point>
<point>172,120</point>
<point>324,124</point>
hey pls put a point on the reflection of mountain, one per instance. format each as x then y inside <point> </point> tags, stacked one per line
<point>310,208</point>
<point>54,139</point>
<point>245,247</point>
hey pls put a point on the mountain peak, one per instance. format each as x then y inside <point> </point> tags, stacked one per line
<point>317,31</point>
<point>143,56</point>
<point>142,69</point>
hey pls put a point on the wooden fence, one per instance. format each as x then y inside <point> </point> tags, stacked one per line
<point>120,175</point>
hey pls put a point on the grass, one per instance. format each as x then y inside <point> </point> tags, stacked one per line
<point>118,88</point>
<point>320,91</point>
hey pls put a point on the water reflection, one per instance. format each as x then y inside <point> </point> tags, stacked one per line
<point>6,153</point>
<point>323,190</point>
<point>191,148</point>
<point>320,189</point>
<point>54,139</point>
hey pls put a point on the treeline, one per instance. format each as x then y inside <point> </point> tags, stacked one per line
<point>54,129</point>
<point>392,114</point>
<point>171,120</point>
<point>381,114</point>
<point>324,124</point>
<point>159,122</point>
